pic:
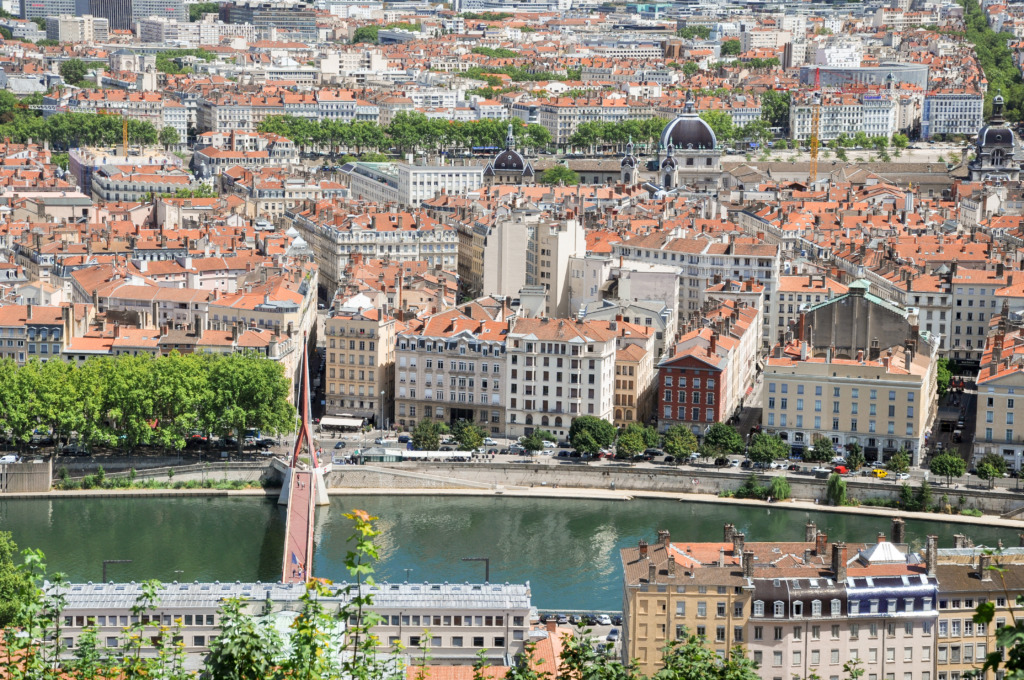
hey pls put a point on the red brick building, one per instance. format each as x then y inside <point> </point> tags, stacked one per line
<point>691,385</point>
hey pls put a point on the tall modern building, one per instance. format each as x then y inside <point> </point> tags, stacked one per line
<point>76,29</point>
<point>122,14</point>
<point>296,18</point>
<point>33,9</point>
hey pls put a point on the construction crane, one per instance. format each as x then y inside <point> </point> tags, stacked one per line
<point>815,128</point>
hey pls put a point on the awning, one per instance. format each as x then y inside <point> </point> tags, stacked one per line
<point>341,422</point>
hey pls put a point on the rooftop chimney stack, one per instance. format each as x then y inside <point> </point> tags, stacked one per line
<point>739,540</point>
<point>899,530</point>
<point>810,531</point>
<point>664,538</point>
<point>839,561</point>
<point>984,562</point>
<point>932,554</point>
<point>748,564</point>
<point>643,549</point>
<point>730,529</point>
<point>820,543</point>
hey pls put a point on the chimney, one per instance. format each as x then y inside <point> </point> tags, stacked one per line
<point>730,529</point>
<point>714,343</point>
<point>748,564</point>
<point>899,530</point>
<point>959,541</point>
<point>820,543</point>
<point>643,549</point>
<point>652,572</point>
<point>932,554</point>
<point>672,566</point>
<point>738,542</point>
<point>663,538</point>
<point>551,625</point>
<point>28,311</point>
<point>810,530</point>
<point>984,562</point>
<point>881,537</point>
<point>839,561</point>
<point>721,557</point>
<point>234,332</point>
<point>807,556</point>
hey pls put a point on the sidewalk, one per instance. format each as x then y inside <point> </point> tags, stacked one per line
<point>626,495</point>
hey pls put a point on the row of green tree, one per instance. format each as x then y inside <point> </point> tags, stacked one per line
<point>408,131</point>
<point>68,130</point>
<point>131,401</point>
<point>996,60</point>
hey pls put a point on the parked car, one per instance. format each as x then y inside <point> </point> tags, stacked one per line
<point>721,462</point>
<point>490,442</point>
<point>734,463</point>
<point>821,469</point>
<point>652,452</point>
<point>404,439</point>
<point>8,459</point>
<point>549,445</point>
<point>562,618</point>
<point>379,440</point>
<point>617,620</point>
<point>613,635</point>
<point>747,464</point>
<point>794,468</point>
<point>75,450</point>
<point>902,476</point>
<point>604,620</point>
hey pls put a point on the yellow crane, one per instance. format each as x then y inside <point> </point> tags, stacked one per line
<point>815,128</point>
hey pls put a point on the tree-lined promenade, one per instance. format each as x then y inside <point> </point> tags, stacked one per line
<point>131,401</point>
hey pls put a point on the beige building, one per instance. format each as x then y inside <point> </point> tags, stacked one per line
<point>856,369</point>
<point>1000,383</point>
<point>525,248</point>
<point>360,367</point>
<point>965,580</point>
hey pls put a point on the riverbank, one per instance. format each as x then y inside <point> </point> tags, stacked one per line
<point>546,492</point>
<point>609,495</point>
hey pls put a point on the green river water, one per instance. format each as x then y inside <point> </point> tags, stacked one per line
<point>567,549</point>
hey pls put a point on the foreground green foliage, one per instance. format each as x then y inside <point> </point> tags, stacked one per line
<point>67,130</point>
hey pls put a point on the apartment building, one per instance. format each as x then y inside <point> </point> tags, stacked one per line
<point>563,115</point>
<point>335,235</point>
<point>843,113</point>
<point>952,111</point>
<point>712,367</point>
<point>855,369</point>
<point>405,184</point>
<point>966,579</point>
<point>798,609</point>
<point>34,332</point>
<point>559,369</point>
<point>462,619</point>
<point>699,260</point>
<point>217,152</point>
<point>76,29</point>
<point>360,366</point>
<point>1000,382</point>
<point>958,304</point>
<point>451,366</point>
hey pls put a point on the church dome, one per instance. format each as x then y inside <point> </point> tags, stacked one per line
<point>991,136</point>
<point>509,159</point>
<point>688,131</point>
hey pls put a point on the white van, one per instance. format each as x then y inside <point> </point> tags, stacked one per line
<point>10,458</point>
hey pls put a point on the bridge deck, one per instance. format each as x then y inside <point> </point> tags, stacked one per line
<point>298,541</point>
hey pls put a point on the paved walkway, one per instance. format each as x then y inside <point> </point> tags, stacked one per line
<point>626,495</point>
<point>298,540</point>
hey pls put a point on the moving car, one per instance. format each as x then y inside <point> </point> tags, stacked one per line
<point>902,476</point>
<point>841,470</point>
<point>879,473</point>
<point>340,445</point>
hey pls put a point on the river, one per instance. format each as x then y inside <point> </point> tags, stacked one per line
<point>567,549</point>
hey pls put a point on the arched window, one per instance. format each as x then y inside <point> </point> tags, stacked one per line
<point>558,421</point>
<point>544,421</point>
<point>618,414</point>
<point>629,415</point>
<point>529,419</point>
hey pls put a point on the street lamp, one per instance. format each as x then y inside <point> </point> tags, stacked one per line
<point>487,566</point>
<point>380,423</point>
<point>106,562</point>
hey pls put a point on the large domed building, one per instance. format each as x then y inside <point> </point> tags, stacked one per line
<point>509,166</point>
<point>688,153</point>
<point>998,154</point>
